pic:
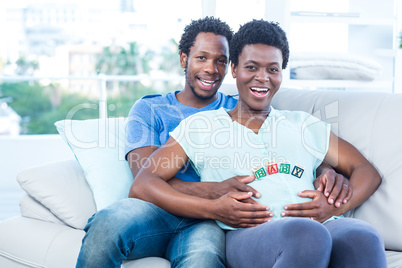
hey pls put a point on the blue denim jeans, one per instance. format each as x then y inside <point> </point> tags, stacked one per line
<point>133,229</point>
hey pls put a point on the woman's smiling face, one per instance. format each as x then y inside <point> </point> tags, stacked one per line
<point>258,75</point>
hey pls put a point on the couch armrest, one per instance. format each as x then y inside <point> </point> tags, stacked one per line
<point>32,243</point>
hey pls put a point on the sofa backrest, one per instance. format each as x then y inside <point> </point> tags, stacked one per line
<point>372,123</point>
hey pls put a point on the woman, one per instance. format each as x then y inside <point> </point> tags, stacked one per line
<point>281,149</point>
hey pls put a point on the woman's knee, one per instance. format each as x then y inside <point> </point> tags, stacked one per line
<point>367,235</point>
<point>306,231</point>
<point>356,244</point>
<point>291,242</point>
<point>354,231</point>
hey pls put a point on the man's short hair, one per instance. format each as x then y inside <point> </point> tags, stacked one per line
<point>259,32</point>
<point>204,25</point>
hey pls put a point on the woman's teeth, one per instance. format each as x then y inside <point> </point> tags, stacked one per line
<point>258,89</point>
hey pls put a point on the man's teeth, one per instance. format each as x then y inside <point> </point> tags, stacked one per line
<point>207,82</point>
<point>258,89</point>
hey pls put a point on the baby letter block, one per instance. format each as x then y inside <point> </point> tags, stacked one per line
<point>259,171</point>
<point>297,171</point>
<point>272,167</point>
<point>284,168</point>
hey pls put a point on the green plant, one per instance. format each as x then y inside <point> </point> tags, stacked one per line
<point>40,106</point>
<point>36,105</point>
<point>400,40</point>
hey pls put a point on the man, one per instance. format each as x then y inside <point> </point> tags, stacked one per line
<point>132,228</point>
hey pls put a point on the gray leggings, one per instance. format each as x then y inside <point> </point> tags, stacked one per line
<point>301,242</point>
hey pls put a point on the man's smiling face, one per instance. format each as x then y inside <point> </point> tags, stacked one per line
<point>206,65</point>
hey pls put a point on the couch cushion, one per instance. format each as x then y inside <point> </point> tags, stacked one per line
<point>394,259</point>
<point>149,262</point>
<point>99,146</point>
<point>31,243</point>
<point>31,208</point>
<point>61,187</point>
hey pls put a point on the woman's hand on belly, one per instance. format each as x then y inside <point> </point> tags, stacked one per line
<point>317,209</point>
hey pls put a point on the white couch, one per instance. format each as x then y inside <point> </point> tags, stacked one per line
<point>60,198</point>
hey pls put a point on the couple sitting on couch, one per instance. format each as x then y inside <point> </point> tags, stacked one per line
<point>269,209</point>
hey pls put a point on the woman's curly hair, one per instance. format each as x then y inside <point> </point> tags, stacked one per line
<point>259,32</point>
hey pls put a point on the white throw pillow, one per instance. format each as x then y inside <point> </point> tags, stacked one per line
<point>99,147</point>
<point>61,190</point>
<point>31,208</point>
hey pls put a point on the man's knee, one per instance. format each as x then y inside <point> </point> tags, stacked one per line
<point>199,245</point>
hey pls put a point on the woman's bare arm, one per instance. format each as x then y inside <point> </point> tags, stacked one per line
<point>151,184</point>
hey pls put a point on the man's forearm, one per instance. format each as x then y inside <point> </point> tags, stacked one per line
<point>199,189</point>
<point>365,180</point>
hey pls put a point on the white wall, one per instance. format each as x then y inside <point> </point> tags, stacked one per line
<point>398,70</point>
<point>18,153</point>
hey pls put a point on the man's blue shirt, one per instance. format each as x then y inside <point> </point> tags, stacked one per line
<point>154,116</point>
